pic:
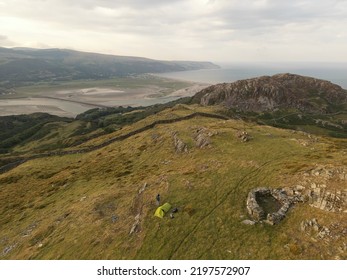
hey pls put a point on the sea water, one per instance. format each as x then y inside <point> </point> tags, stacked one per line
<point>334,72</point>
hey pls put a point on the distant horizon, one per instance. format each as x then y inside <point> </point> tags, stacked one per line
<point>222,64</point>
<point>228,73</point>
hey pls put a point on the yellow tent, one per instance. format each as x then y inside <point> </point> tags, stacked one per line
<point>162,210</point>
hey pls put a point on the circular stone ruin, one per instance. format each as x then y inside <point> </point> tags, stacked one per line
<point>268,205</point>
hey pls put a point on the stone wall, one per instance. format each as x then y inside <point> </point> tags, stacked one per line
<point>258,214</point>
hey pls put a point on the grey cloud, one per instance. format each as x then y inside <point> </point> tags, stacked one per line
<point>157,15</point>
<point>134,4</point>
<point>124,16</point>
<point>200,23</point>
<point>276,13</point>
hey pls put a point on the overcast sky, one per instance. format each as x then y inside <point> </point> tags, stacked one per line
<point>213,30</point>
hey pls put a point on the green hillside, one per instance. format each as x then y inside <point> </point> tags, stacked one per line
<point>21,66</point>
<point>84,205</point>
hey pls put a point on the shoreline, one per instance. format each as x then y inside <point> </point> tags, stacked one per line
<point>69,100</point>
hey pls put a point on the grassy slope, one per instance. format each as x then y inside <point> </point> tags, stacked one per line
<point>62,207</point>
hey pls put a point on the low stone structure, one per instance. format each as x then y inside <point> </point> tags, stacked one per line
<point>258,213</point>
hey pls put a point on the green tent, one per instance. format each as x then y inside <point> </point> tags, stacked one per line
<point>162,210</point>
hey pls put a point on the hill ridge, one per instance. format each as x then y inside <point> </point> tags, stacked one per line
<point>267,93</point>
<point>17,162</point>
<point>25,66</point>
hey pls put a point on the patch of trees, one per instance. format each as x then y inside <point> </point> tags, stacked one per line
<point>21,129</point>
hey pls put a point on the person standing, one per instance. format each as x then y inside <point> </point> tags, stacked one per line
<point>158,199</point>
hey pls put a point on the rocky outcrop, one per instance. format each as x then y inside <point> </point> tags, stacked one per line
<point>281,91</point>
<point>180,146</point>
<point>136,225</point>
<point>202,137</point>
<point>243,135</point>
<point>202,140</point>
<point>326,188</point>
<point>308,225</point>
<point>315,229</point>
<point>327,200</point>
<point>332,236</point>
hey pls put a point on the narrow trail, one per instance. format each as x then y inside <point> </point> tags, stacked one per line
<point>20,160</point>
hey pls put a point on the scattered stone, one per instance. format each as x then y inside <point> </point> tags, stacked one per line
<point>303,226</point>
<point>324,232</point>
<point>114,218</point>
<point>243,136</point>
<point>8,249</point>
<point>248,222</point>
<point>310,224</point>
<point>27,232</point>
<point>135,227</point>
<point>299,188</point>
<point>316,227</point>
<point>143,188</point>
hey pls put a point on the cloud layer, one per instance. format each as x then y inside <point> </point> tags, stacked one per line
<point>218,30</point>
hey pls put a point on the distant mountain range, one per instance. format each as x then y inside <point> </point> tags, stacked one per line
<point>25,65</point>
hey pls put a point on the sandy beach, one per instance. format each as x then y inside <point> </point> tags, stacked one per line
<point>71,102</point>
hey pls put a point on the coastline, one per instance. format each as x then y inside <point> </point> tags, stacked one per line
<point>69,100</point>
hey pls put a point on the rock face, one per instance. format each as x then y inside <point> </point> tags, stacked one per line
<point>276,92</point>
<point>326,188</point>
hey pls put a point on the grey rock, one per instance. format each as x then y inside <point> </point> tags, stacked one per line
<point>114,218</point>
<point>136,225</point>
<point>243,136</point>
<point>202,140</point>
<point>180,146</point>
<point>248,222</point>
<point>8,249</point>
